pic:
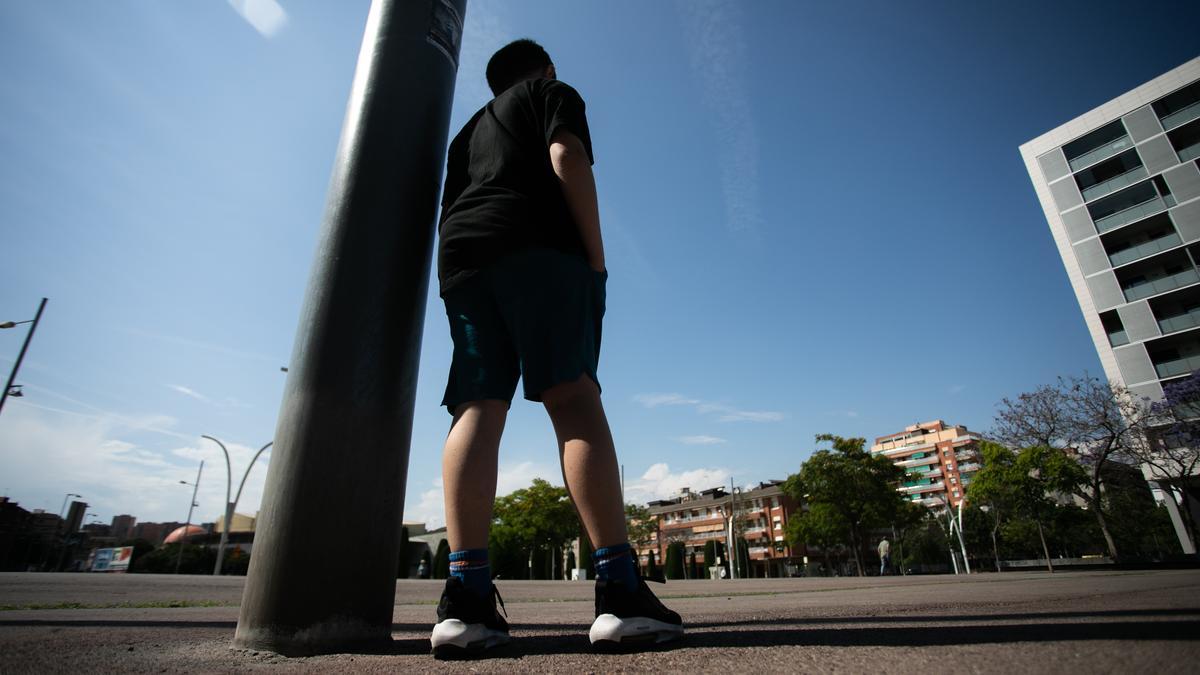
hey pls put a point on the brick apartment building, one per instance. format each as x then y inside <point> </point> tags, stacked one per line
<point>939,458</point>
<point>695,518</point>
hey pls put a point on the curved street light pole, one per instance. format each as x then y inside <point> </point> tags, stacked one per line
<point>231,505</point>
<point>188,524</point>
<point>20,357</point>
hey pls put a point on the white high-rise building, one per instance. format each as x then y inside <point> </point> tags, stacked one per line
<point>1120,187</point>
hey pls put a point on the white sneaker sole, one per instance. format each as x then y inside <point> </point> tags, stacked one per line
<point>609,630</point>
<point>452,638</point>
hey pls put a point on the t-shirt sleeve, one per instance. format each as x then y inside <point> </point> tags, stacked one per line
<point>565,110</point>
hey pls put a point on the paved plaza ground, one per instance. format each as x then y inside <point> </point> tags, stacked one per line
<point>1028,622</point>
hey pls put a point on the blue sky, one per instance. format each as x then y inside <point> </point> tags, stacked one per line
<point>816,216</point>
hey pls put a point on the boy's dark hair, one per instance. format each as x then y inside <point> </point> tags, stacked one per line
<point>514,62</point>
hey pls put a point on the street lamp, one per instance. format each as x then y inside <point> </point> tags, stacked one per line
<point>956,529</point>
<point>231,505</point>
<point>8,388</point>
<point>191,505</point>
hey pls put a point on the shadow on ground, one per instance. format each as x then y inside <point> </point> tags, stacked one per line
<point>928,630</point>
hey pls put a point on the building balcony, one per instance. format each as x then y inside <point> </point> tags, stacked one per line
<point>1181,117</point>
<point>1128,215</point>
<point>1101,153</point>
<point>966,454</point>
<point>930,502</point>
<point>969,467</point>
<point>1175,367</point>
<point>907,449</point>
<point>1107,187</point>
<point>921,461</point>
<point>924,487</point>
<point>1163,284</point>
<point>931,474</point>
<point>1145,249</point>
<point>1189,153</point>
<point>1184,321</point>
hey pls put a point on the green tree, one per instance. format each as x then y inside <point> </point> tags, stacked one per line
<point>992,488</point>
<point>532,524</point>
<point>856,485</point>
<point>674,565</point>
<point>924,543</point>
<point>651,565</point>
<point>140,548</point>
<point>1100,423</point>
<point>742,558</point>
<point>820,526</point>
<point>1025,484</point>
<point>441,560</point>
<point>641,525</point>
<point>710,553</point>
<point>195,560</point>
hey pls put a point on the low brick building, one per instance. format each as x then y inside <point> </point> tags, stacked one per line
<point>695,518</point>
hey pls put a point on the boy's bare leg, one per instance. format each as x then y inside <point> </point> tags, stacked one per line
<point>589,461</point>
<point>469,471</point>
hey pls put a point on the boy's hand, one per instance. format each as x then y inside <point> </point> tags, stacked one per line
<point>570,161</point>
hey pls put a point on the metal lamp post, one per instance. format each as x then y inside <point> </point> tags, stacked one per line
<point>24,347</point>
<point>340,459</point>
<point>956,529</point>
<point>188,524</point>
<point>230,505</point>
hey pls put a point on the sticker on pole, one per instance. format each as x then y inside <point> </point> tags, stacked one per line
<point>445,30</point>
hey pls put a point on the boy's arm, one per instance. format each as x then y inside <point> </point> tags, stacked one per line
<point>571,164</point>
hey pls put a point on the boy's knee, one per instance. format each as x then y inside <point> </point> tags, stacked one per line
<point>486,408</point>
<point>567,395</point>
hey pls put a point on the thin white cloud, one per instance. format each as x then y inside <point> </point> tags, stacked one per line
<point>52,452</point>
<point>957,389</point>
<point>265,16</point>
<point>716,41</point>
<point>192,393</point>
<point>199,345</point>
<point>659,482</point>
<point>152,423</point>
<point>722,412</point>
<point>700,440</point>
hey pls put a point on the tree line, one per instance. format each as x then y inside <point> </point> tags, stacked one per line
<point>1061,478</point>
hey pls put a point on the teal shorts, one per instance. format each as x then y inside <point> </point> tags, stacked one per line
<point>535,315</point>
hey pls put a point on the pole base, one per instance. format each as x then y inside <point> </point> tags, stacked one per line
<point>338,635</point>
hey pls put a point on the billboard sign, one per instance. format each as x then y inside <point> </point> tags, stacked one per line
<point>112,559</point>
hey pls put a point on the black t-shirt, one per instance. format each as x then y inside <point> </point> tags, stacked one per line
<point>501,193</point>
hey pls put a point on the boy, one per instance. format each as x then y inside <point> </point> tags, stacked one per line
<point>521,268</point>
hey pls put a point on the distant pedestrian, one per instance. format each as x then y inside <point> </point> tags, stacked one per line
<point>885,556</point>
<point>423,570</point>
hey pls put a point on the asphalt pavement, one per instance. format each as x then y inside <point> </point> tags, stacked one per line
<point>1027,622</point>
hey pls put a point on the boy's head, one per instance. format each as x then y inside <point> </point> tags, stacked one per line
<point>518,60</point>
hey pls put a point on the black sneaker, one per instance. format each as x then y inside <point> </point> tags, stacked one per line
<point>628,618</point>
<point>468,625</point>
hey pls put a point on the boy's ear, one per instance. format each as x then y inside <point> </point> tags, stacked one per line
<point>551,73</point>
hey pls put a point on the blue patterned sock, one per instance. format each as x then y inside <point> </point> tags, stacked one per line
<point>616,563</point>
<point>471,565</point>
